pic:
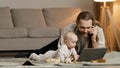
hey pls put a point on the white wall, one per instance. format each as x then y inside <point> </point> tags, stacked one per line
<point>83,4</point>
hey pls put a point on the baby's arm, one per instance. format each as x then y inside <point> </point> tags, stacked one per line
<point>75,55</point>
<point>62,53</point>
<point>61,56</point>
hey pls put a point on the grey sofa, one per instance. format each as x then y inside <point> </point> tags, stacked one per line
<point>29,29</point>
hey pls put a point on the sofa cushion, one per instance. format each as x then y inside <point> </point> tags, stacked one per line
<point>60,17</point>
<point>28,18</point>
<point>44,32</point>
<point>13,32</point>
<point>5,18</point>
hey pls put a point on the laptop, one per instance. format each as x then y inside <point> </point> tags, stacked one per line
<point>89,54</point>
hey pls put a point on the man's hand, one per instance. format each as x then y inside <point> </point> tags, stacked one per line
<point>93,33</point>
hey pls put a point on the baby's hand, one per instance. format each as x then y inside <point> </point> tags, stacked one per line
<point>68,60</point>
<point>75,58</point>
<point>74,61</point>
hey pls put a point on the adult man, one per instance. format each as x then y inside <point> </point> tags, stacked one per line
<point>90,35</point>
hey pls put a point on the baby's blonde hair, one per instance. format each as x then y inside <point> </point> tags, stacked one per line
<point>69,35</point>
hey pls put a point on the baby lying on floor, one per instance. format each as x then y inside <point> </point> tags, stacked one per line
<point>66,53</point>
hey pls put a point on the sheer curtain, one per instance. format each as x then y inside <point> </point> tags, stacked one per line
<point>116,18</point>
<point>112,26</point>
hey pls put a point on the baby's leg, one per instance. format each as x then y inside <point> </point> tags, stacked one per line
<point>34,56</point>
<point>50,54</point>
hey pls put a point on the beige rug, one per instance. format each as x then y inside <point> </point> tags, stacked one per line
<point>111,58</point>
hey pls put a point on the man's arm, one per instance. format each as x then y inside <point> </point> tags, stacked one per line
<point>101,39</point>
<point>93,33</point>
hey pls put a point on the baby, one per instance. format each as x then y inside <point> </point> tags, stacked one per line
<point>65,52</point>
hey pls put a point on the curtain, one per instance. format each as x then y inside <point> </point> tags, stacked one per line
<point>109,18</point>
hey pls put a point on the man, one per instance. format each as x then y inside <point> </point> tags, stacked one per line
<point>89,33</point>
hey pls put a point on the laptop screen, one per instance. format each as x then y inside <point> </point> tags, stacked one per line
<point>89,54</point>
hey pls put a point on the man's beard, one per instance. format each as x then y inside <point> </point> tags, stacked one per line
<point>84,34</point>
